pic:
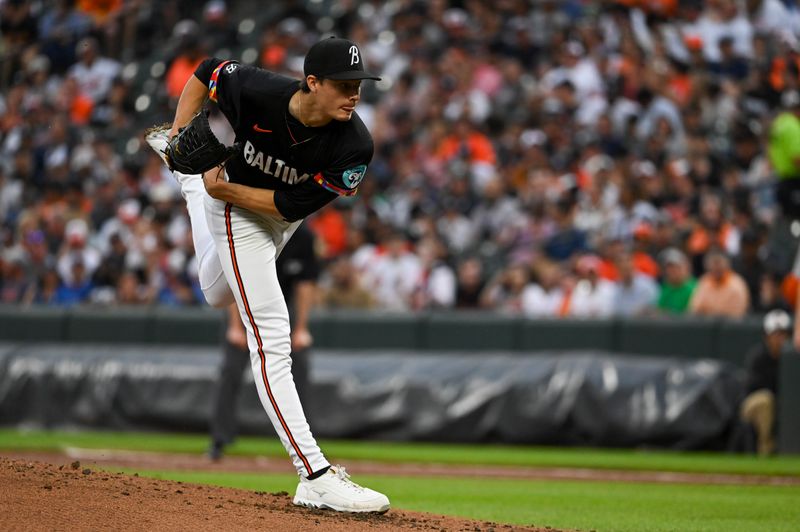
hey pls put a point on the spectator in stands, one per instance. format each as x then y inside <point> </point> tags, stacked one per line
<point>17,29</point>
<point>593,296</point>
<point>38,259</point>
<point>190,53</point>
<point>45,291</point>
<point>342,289</point>
<point>712,230</point>
<point>218,32</point>
<point>174,287</point>
<point>720,291</point>
<point>469,145</point>
<point>101,11</point>
<point>331,229</point>
<point>129,291</point>
<point>77,250</point>
<point>505,290</point>
<point>10,196</point>
<point>437,282</point>
<point>730,65</point>
<point>644,250</point>
<point>636,293</point>
<point>567,240</point>
<point>749,263</point>
<point>784,153</point>
<point>678,284</point>
<point>545,297</point>
<point>60,28</point>
<point>113,264</point>
<point>75,286</point>
<point>93,73</point>
<point>457,229</point>
<point>495,125</point>
<point>760,405</point>
<point>770,295</point>
<point>15,282</point>
<point>394,274</point>
<point>470,284</point>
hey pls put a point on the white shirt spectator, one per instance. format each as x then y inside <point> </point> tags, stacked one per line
<point>592,300</point>
<point>622,222</point>
<point>584,76</point>
<point>364,257</point>
<point>659,108</point>
<point>774,17</point>
<point>635,298</point>
<point>538,302</point>
<point>76,233</point>
<point>457,230</point>
<point>711,29</point>
<point>496,211</point>
<point>392,280</point>
<point>94,79</point>
<point>10,195</point>
<point>438,287</point>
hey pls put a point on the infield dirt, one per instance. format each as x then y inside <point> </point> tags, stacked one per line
<point>36,495</point>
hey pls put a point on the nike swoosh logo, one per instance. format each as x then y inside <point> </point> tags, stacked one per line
<point>259,130</point>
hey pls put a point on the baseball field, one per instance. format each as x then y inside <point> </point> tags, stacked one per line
<point>89,480</point>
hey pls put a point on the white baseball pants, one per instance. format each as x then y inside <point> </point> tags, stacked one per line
<point>236,251</point>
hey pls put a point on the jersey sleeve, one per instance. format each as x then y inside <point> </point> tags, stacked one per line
<point>298,202</point>
<point>205,68</point>
<point>346,173</point>
<point>224,80</point>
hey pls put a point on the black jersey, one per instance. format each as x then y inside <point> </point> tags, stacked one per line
<point>309,166</point>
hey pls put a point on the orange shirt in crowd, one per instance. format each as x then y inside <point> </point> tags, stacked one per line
<point>99,10</point>
<point>659,7</point>
<point>727,298</point>
<point>331,230</point>
<point>479,148</point>
<point>701,239</point>
<point>80,110</point>
<point>781,69</point>
<point>646,264</point>
<point>642,263</point>
<point>680,86</point>
<point>179,73</point>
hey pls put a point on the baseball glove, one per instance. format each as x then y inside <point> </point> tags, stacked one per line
<point>195,149</point>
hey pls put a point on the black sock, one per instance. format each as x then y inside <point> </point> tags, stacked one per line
<point>319,473</point>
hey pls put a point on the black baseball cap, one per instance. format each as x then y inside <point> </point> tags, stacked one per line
<point>338,59</point>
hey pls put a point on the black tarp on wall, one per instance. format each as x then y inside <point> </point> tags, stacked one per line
<point>590,398</point>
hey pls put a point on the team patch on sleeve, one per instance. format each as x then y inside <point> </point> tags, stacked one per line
<point>351,178</point>
<point>327,185</point>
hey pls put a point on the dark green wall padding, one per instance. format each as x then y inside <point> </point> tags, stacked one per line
<point>436,331</point>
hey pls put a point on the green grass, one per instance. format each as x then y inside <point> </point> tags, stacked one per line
<point>418,452</point>
<point>600,506</point>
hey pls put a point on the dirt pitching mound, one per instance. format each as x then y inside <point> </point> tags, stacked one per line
<point>42,496</point>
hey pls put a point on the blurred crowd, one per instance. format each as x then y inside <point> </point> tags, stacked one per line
<point>532,157</point>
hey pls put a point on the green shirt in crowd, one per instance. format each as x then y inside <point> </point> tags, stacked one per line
<point>675,299</point>
<point>784,145</point>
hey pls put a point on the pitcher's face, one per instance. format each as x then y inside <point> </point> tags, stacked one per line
<point>338,98</point>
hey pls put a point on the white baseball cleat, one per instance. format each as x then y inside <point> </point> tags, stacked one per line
<point>335,491</point>
<point>157,138</point>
